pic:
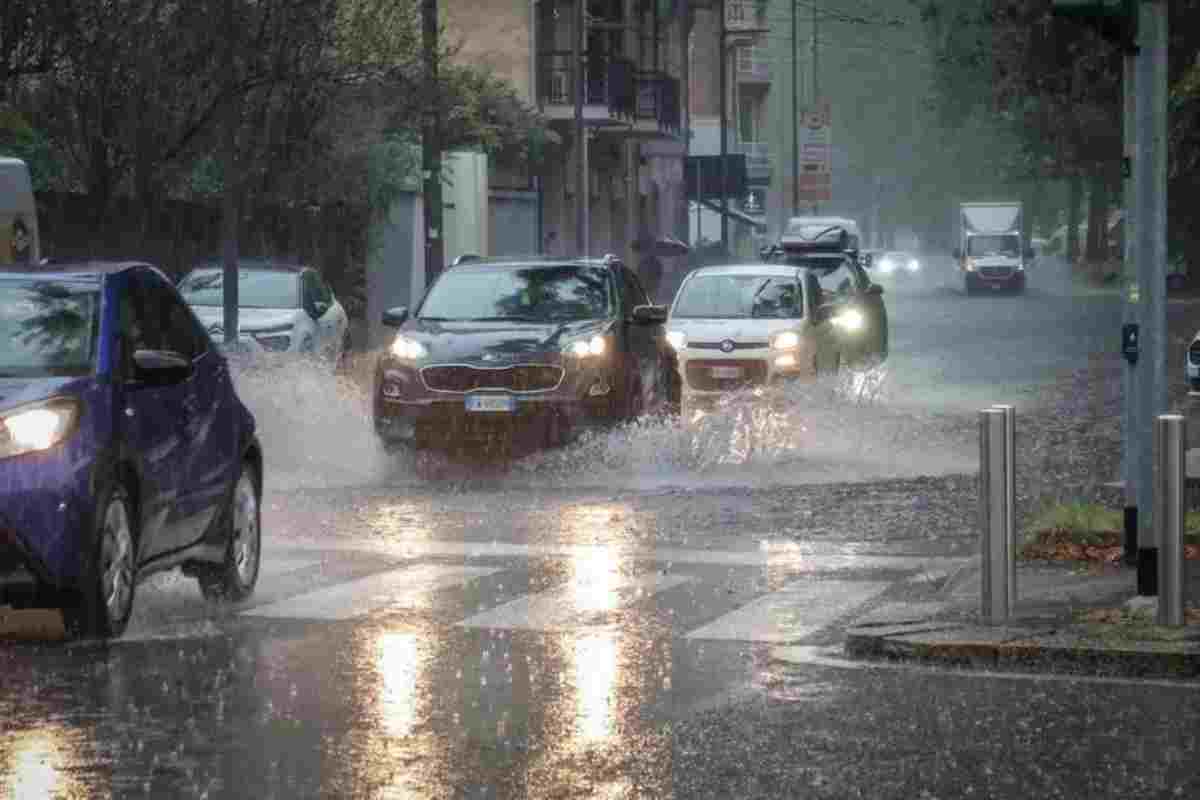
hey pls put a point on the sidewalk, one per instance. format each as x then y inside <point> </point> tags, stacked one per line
<point>1066,620</point>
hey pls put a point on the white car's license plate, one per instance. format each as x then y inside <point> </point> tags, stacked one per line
<point>491,403</point>
<point>725,373</point>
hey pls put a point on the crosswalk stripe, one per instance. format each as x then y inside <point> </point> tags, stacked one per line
<point>775,554</point>
<point>409,587</point>
<point>574,604</point>
<point>799,609</point>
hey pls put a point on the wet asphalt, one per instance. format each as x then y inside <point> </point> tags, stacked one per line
<point>588,636</point>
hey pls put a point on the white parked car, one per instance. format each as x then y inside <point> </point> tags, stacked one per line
<point>283,308</point>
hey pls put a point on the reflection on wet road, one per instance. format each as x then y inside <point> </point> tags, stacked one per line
<point>529,635</point>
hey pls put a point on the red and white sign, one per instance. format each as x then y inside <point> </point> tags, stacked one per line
<point>816,153</point>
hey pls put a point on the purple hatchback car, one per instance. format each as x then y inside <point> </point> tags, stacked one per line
<point>124,449</point>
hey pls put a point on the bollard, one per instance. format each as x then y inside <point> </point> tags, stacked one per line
<point>1010,491</point>
<point>1170,436</point>
<point>999,558</point>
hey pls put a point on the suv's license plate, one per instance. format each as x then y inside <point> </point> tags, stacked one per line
<point>494,403</point>
<point>726,372</point>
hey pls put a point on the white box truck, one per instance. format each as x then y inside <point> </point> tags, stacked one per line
<point>19,241</point>
<point>991,254</point>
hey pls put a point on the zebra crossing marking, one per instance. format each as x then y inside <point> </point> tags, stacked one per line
<point>566,605</point>
<point>408,587</point>
<point>799,609</point>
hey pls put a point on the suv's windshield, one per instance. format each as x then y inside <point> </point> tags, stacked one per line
<point>993,246</point>
<point>257,288</point>
<point>550,293</point>
<point>47,327</point>
<point>739,296</point>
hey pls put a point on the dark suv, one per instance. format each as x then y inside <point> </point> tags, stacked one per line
<point>502,348</point>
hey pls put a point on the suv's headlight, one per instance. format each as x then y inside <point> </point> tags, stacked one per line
<point>785,341</point>
<point>850,320</point>
<point>409,349</point>
<point>37,427</point>
<point>584,348</point>
<point>677,339</point>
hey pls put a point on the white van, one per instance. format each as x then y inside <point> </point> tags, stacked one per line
<point>19,241</point>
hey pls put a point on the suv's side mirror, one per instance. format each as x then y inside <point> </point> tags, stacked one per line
<point>161,367</point>
<point>650,315</point>
<point>395,317</point>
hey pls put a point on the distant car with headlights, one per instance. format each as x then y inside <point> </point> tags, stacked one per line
<point>895,264</point>
<point>282,307</point>
<point>124,448</point>
<point>531,348</point>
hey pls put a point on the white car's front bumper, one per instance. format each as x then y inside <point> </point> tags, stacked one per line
<point>711,373</point>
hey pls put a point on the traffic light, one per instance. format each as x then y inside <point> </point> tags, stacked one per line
<point>1114,20</point>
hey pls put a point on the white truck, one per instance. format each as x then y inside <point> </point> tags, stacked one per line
<point>991,253</point>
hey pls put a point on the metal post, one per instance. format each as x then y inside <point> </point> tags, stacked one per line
<point>1010,491</point>
<point>816,88</point>
<point>1150,177</point>
<point>578,80</point>
<point>1170,438</point>
<point>998,589</point>
<point>795,110</point>
<point>724,112</point>
<point>1129,451</point>
<point>431,144</point>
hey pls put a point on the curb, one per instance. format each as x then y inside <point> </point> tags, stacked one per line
<point>1025,654</point>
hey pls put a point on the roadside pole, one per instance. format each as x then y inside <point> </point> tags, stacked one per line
<point>1129,418</point>
<point>431,143</point>
<point>1150,181</point>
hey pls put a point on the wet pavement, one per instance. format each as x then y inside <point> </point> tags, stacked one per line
<point>563,629</point>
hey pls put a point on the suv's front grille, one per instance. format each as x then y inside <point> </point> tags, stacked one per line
<point>700,374</point>
<point>520,378</point>
<point>996,272</point>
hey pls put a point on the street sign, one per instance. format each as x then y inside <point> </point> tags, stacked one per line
<point>1130,345</point>
<point>816,153</point>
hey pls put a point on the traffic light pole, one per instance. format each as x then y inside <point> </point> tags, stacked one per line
<point>1150,189</point>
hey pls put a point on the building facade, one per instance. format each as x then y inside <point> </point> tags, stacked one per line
<point>621,181</point>
<point>748,88</point>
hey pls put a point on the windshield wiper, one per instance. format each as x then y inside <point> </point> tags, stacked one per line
<point>508,318</point>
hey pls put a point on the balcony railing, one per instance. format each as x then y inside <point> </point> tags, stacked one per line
<point>742,15</point>
<point>613,83</point>
<point>753,63</point>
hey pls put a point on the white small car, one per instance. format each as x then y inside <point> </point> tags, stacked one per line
<point>742,326</point>
<point>283,308</point>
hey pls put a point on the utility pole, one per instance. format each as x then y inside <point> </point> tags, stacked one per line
<point>431,144</point>
<point>231,183</point>
<point>815,86</point>
<point>795,109</point>
<point>578,81</point>
<point>724,112</point>
<point>1129,418</point>
<point>1150,182</point>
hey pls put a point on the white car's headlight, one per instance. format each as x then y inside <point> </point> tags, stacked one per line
<point>886,266</point>
<point>970,265</point>
<point>408,349</point>
<point>850,320</point>
<point>914,265</point>
<point>677,339</point>
<point>785,341</point>
<point>583,348</point>
<point>38,427</point>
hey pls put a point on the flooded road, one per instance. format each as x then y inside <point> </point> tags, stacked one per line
<point>599,621</point>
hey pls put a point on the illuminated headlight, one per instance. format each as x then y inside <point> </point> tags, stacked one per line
<point>886,266</point>
<point>785,361</point>
<point>677,339</point>
<point>970,265</point>
<point>785,341</point>
<point>914,265</point>
<point>39,427</point>
<point>850,320</point>
<point>408,349</point>
<point>584,348</point>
